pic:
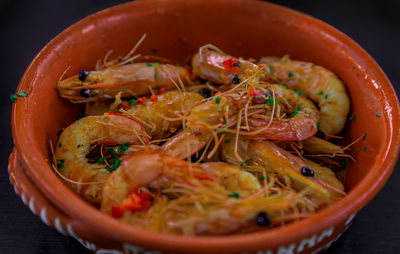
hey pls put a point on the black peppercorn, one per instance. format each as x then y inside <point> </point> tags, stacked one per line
<point>86,93</point>
<point>83,75</point>
<point>237,64</point>
<point>235,79</point>
<point>262,219</point>
<point>205,92</point>
<point>307,171</point>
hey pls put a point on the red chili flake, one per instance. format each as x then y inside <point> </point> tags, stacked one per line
<point>145,196</point>
<point>217,94</point>
<point>252,92</point>
<point>137,201</point>
<point>228,64</point>
<point>132,203</point>
<point>126,105</point>
<point>145,200</point>
<point>117,211</point>
<point>140,100</point>
<point>235,70</point>
<point>234,60</point>
<point>160,90</point>
<point>153,98</point>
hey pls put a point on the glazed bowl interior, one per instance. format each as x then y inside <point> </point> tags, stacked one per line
<point>176,29</point>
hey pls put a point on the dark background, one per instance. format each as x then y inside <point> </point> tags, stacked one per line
<point>26,26</point>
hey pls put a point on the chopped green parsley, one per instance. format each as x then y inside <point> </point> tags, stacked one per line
<point>247,161</point>
<point>271,70</point>
<point>234,195</point>
<point>60,164</point>
<point>294,113</point>
<point>22,94</point>
<point>123,148</point>
<point>13,98</point>
<point>132,102</point>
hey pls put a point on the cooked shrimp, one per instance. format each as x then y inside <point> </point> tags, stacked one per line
<point>218,67</point>
<point>201,124</point>
<point>162,116</point>
<point>212,64</point>
<point>206,117</point>
<point>134,79</point>
<point>327,177</point>
<point>231,216</point>
<point>316,82</point>
<point>232,178</point>
<point>202,203</point>
<point>302,118</point>
<point>112,129</point>
<point>209,198</point>
<point>314,145</point>
<point>142,169</point>
<point>273,158</point>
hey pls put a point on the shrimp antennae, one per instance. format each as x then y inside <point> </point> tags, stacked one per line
<point>135,47</point>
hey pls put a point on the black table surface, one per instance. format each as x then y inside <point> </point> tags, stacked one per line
<point>26,26</point>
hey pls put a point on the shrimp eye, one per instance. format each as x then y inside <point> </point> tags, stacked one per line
<point>262,219</point>
<point>83,75</point>
<point>235,79</point>
<point>86,93</point>
<point>307,172</point>
<point>205,92</point>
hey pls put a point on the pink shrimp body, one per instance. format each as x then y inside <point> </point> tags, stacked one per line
<point>134,79</point>
<point>74,144</point>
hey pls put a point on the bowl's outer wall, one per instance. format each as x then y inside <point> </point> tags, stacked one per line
<point>176,31</point>
<point>51,216</point>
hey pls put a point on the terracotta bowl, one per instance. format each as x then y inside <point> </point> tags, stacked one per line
<point>176,28</point>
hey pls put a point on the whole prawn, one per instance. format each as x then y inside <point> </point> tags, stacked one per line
<point>267,155</point>
<point>202,200</point>
<point>135,79</point>
<point>122,75</point>
<point>224,113</point>
<point>213,64</point>
<point>162,116</point>
<point>319,84</point>
<point>87,179</point>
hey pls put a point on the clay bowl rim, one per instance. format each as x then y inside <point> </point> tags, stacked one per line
<point>57,192</point>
